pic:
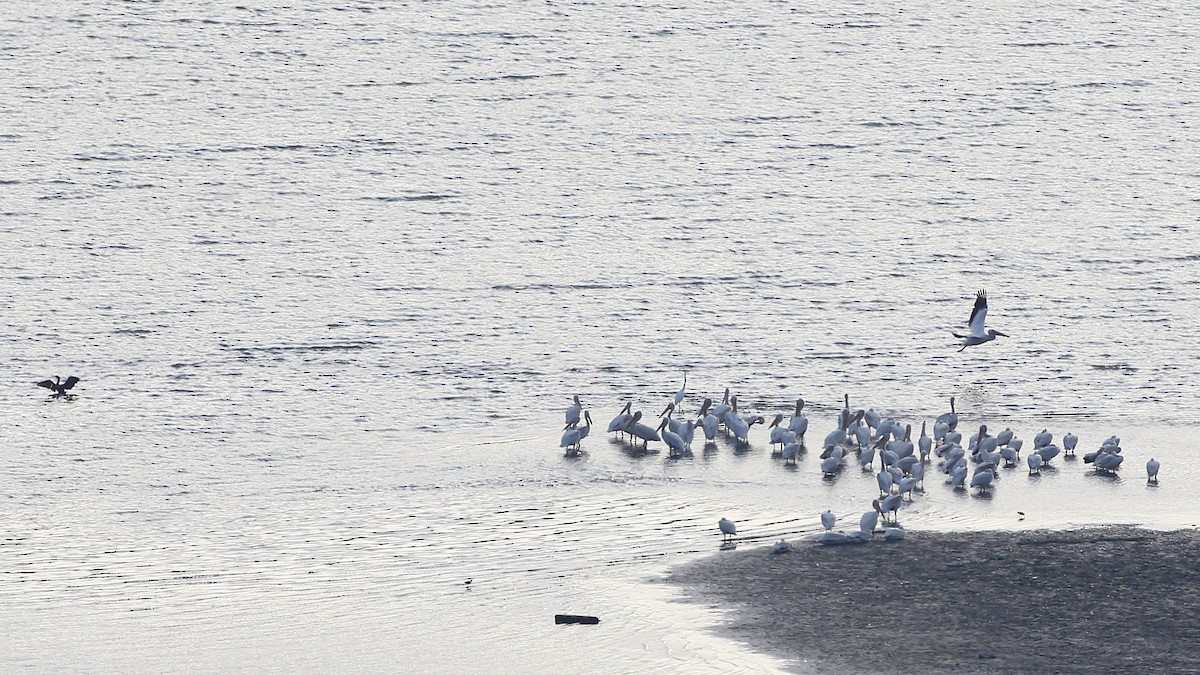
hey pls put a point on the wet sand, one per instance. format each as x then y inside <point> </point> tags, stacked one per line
<point>1103,600</point>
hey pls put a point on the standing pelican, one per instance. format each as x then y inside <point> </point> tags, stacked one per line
<point>978,335</point>
<point>573,412</point>
<point>950,419</point>
<point>1152,470</point>
<point>1069,442</point>
<point>618,423</point>
<point>673,440</point>
<point>642,431</point>
<point>799,423</point>
<point>828,520</point>
<point>571,437</point>
<point>728,529</point>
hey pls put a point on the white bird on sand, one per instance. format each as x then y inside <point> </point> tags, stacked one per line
<point>978,335</point>
<point>834,538</point>
<point>572,437</point>
<point>728,529</point>
<point>573,412</point>
<point>893,533</point>
<point>1152,470</point>
<point>868,521</point>
<point>781,546</point>
<point>828,520</point>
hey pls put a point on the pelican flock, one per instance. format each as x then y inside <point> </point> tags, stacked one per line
<point>861,437</point>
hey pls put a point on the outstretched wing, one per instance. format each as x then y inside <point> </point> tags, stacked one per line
<point>70,382</point>
<point>49,384</point>
<point>978,314</point>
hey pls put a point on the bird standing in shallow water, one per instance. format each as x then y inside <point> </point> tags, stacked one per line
<point>59,388</point>
<point>978,335</point>
<point>1152,470</point>
<point>728,529</point>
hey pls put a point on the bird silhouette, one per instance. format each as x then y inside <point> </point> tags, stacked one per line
<point>58,388</point>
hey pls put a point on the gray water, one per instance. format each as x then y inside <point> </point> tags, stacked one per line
<point>332,273</point>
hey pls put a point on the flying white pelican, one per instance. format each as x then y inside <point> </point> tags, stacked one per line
<point>573,412</point>
<point>572,437</point>
<point>978,335</point>
<point>728,529</point>
<point>1152,470</point>
<point>828,520</point>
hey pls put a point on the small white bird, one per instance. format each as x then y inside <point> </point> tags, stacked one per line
<point>781,546</point>
<point>682,390</point>
<point>978,335</point>
<point>728,529</point>
<point>1152,470</point>
<point>828,520</point>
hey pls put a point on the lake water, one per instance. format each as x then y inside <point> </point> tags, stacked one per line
<point>331,273</point>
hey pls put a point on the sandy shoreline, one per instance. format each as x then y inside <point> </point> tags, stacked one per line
<point>1101,600</point>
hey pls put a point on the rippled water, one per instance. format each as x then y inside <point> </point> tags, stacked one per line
<point>330,275</point>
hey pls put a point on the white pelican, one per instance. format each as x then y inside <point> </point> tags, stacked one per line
<point>618,423</point>
<point>1042,438</point>
<point>893,533</point>
<point>781,546</point>
<point>724,406</point>
<point>1035,463</point>
<point>906,485</point>
<point>687,433</point>
<point>958,477</point>
<point>728,529</point>
<point>866,458</point>
<point>983,479</point>
<point>978,335</point>
<point>830,464</point>
<point>673,424</point>
<point>1048,452</point>
<point>711,425</point>
<point>790,451</point>
<point>918,474</point>
<point>739,426</point>
<point>572,437</point>
<point>799,423</point>
<point>1009,456</point>
<point>1069,443</point>
<point>924,444</point>
<point>777,432</point>
<point>1108,462</point>
<point>950,419</point>
<point>868,521</point>
<point>642,431</point>
<point>872,418</point>
<point>828,520</point>
<point>889,504</point>
<point>1152,470</point>
<point>834,538</point>
<point>672,439</point>
<point>1005,436</point>
<point>573,412</point>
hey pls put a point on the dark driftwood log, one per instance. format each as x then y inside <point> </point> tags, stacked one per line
<point>576,618</point>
